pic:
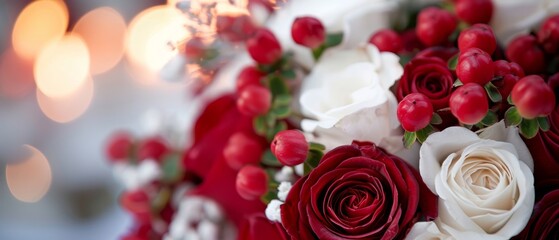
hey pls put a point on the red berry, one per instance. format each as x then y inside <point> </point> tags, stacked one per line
<point>194,49</point>
<point>152,148</point>
<point>434,26</point>
<point>533,97</point>
<point>474,66</point>
<point>478,36</point>
<point>119,146</point>
<point>548,36</point>
<point>290,147</point>
<point>254,100</point>
<point>241,150</point>
<point>474,11</point>
<point>415,112</point>
<point>138,204</point>
<point>263,47</point>
<point>252,182</point>
<point>510,73</point>
<point>308,31</point>
<point>234,28</point>
<point>469,103</point>
<point>248,76</point>
<point>525,51</point>
<point>553,83</point>
<point>387,40</point>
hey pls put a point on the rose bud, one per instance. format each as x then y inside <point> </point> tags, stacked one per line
<point>478,36</point>
<point>415,112</point>
<point>119,146</point>
<point>548,35</point>
<point>474,66</point>
<point>525,51</point>
<point>533,97</point>
<point>308,31</point>
<point>152,148</point>
<point>290,147</point>
<point>248,76</point>
<point>434,26</point>
<point>252,182</point>
<point>474,11</point>
<point>469,103</point>
<point>242,150</point>
<point>138,204</point>
<point>387,40</point>
<point>264,47</point>
<point>254,100</point>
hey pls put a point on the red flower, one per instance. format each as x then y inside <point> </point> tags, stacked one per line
<point>544,223</point>
<point>545,149</point>
<point>257,227</point>
<point>357,191</point>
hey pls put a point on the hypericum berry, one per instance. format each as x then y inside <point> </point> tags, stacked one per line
<point>548,35</point>
<point>152,148</point>
<point>434,26</point>
<point>290,147</point>
<point>475,66</point>
<point>264,47</point>
<point>510,73</point>
<point>308,31</point>
<point>194,49</point>
<point>249,76</point>
<point>252,182</point>
<point>474,11</point>
<point>478,36</point>
<point>138,203</point>
<point>469,103</point>
<point>242,150</point>
<point>119,146</point>
<point>387,40</point>
<point>533,97</point>
<point>254,100</point>
<point>415,112</point>
<point>525,51</point>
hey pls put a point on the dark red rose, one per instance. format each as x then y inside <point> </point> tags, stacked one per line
<point>258,227</point>
<point>357,191</point>
<point>430,76</point>
<point>544,223</point>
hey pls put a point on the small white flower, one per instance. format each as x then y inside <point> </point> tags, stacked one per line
<point>136,176</point>
<point>285,174</point>
<point>300,170</point>
<point>283,190</point>
<point>273,211</point>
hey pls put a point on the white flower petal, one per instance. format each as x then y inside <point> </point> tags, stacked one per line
<point>499,132</point>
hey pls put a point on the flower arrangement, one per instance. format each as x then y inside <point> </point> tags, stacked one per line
<point>362,120</point>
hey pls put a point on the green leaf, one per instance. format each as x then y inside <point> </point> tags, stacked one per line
<point>409,139</point>
<point>172,168</point>
<point>436,119</point>
<point>333,39</point>
<point>493,92</point>
<point>259,125</point>
<point>313,158</point>
<point>422,134</point>
<point>529,128</point>
<point>288,74</point>
<point>280,126</point>
<point>544,124</point>
<point>316,146</point>
<point>269,159</point>
<point>405,58</point>
<point>512,117</point>
<point>509,99</point>
<point>270,120</point>
<point>457,83</point>
<point>453,61</point>
<point>489,119</point>
<point>278,86</point>
<point>161,199</point>
<point>282,111</point>
<point>282,100</point>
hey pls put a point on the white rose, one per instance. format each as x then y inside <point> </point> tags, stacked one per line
<point>357,19</point>
<point>513,17</point>
<point>347,97</point>
<point>485,186</point>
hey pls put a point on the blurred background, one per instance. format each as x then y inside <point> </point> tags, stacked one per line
<point>71,73</point>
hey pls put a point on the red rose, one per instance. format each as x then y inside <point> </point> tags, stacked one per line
<point>258,227</point>
<point>444,53</point>
<point>430,76</point>
<point>544,223</point>
<point>357,191</point>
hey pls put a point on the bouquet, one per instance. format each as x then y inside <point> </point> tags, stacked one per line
<point>375,119</point>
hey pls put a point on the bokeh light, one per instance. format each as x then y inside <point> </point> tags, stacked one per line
<point>16,75</point>
<point>149,36</point>
<point>68,108</point>
<point>62,66</point>
<point>30,179</point>
<point>39,22</point>
<point>103,30</point>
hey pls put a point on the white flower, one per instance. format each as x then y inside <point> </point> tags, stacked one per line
<point>136,176</point>
<point>273,210</point>
<point>513,17</point>
<point>283,190</point>
<point>348,96</point>
<point>426,231</point>
<point>357,19</point>
<point>485,186</point>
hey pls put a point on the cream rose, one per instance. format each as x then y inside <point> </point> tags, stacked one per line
<point>356,19</point>
<point>346,97</point>
<point>485,184</point>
